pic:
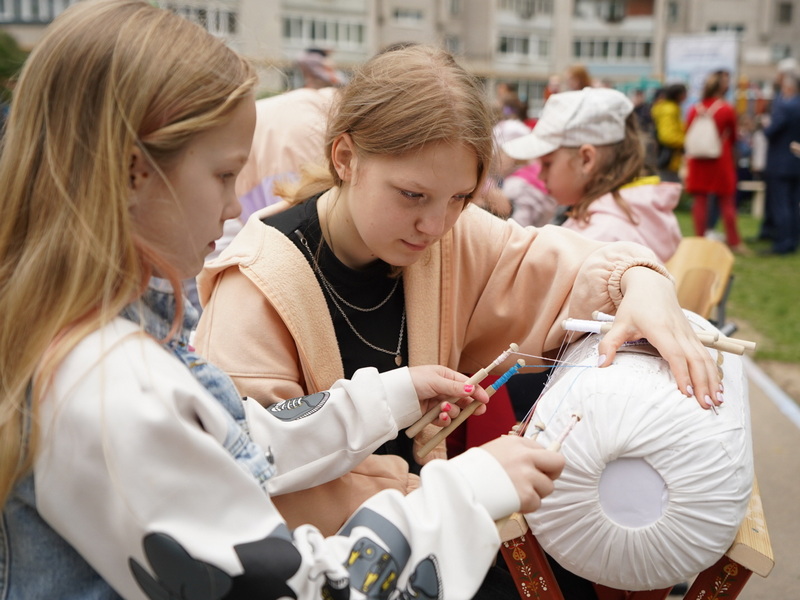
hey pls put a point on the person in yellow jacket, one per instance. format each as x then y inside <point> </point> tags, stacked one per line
<point>669,131</point>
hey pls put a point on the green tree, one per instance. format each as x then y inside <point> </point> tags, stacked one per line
<point>12,58</point>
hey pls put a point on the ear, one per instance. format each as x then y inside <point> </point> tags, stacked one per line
<point>343,156</point>
<point>588,158</point>
<point>140,170</point>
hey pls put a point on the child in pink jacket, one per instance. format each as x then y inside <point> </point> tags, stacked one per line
<point>591,153</point>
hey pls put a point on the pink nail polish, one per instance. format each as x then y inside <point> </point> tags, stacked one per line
<point>601,359</point>
<point>469,388</point>
<point>690,390</point>
<point>720,398</point>
<point>708,401</point>
<point>446,407</point>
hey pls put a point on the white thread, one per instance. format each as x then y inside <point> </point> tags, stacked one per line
<point>585,325</point>
<point>601,316</point>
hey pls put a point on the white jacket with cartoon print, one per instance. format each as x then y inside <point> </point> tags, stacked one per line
<point>162,488</point>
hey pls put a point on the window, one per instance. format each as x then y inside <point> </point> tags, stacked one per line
<point>784,13</point>
<point>613,11</point>
<point>407,16</point>
<point>735,27</point>
<point>330,33</point>
<point>780,51</point>
<point>36,11</point>
<point>607,10</point>
<point>509,44</point>
<point>452,44</point>
<point>612,49</point>
<point>350,34</point>
<point>543,47</point>
<point>201,17</point>
<point>673,12</point>
<point>215,20</point>
<point>221,22</point>
<point>292,28</point>
<point>527,8</point>
<point>319,31</point>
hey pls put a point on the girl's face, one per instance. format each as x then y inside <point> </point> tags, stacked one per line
<point>184,228</point>
<point>563,172</point>
<point>395,207</point>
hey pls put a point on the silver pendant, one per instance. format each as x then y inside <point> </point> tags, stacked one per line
<point>398,360</point>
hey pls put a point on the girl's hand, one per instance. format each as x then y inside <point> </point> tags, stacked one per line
<point>650,309</point>
<point>437,384</point>
<point>532,468</point>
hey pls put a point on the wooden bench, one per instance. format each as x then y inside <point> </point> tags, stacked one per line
<point>759,192</point>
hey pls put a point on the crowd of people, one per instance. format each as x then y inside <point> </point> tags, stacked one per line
<point>754,148</point>
<point>258,446</point>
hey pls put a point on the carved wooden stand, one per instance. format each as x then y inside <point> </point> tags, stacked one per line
<point>751,552</point>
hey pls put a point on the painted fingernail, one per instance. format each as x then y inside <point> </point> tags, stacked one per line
<point>721,387</point>
<point>720,398</point>
<point>446,407</point>
<point>601,359</point>
<point>708,401</point>
<point>690,390</point>
<point>469,388</point>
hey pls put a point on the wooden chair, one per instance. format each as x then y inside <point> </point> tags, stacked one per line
<point>751,552</point>
<point>703,271</point>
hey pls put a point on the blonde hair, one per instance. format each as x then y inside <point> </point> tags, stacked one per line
<point>108,75</point>
<point>397,102</point>
<point>617,165</point>
<point>714,86</point>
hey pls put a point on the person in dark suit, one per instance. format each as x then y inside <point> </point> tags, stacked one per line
<point>782,171</point>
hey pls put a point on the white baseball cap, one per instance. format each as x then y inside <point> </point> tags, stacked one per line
<point>589,116</point>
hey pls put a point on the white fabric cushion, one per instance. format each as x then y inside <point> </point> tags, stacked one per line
<point>654,487</point>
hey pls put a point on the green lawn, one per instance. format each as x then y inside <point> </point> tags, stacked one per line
<point>765,293</point>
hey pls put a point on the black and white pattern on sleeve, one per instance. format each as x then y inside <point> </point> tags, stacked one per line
<point>268,564</point>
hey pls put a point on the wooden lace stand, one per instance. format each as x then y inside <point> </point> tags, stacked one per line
<point>751,552</point>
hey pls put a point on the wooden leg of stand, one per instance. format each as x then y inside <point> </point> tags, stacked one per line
<point>529,568</point>
<point>725,579</point>
<point>607,593</point>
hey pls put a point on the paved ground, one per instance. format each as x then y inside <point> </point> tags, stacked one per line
<point>776,447</point>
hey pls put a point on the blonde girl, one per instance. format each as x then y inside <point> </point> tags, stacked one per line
<point>380,257</point>
<point>130,466</point>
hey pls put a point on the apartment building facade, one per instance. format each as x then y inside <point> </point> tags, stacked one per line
<point>517,41</point>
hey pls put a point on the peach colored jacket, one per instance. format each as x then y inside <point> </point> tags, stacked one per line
<point>485,284</point>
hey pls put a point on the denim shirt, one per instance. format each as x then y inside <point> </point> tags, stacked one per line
<point>35,561</point>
